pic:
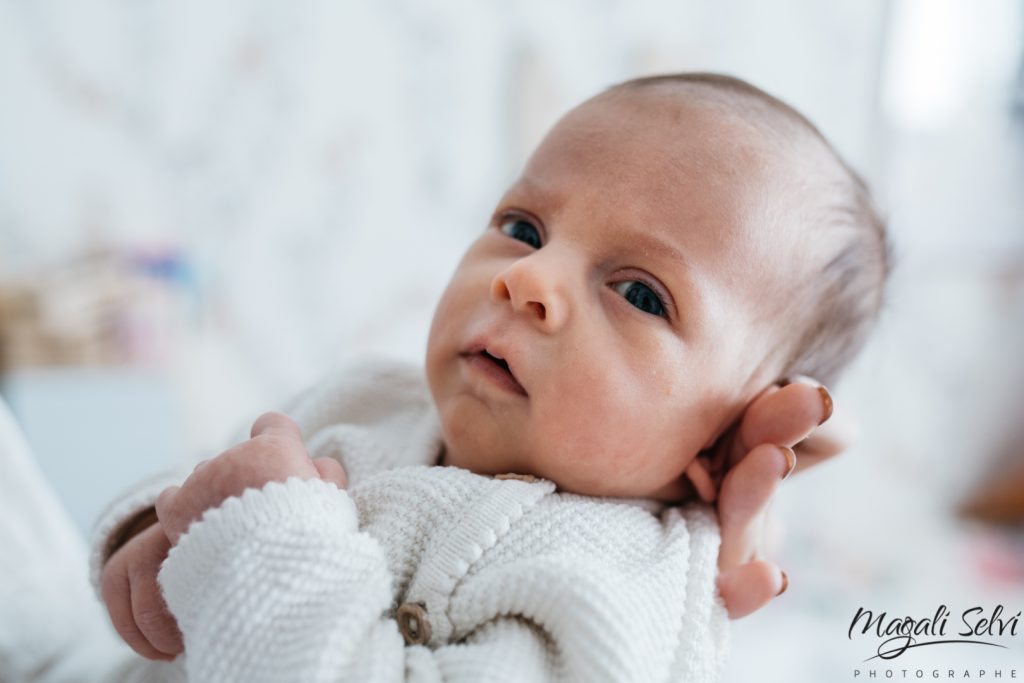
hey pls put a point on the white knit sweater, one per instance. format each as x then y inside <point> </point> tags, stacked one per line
<point>513,580</point>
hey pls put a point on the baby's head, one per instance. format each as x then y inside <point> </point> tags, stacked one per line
<point>674,246</point>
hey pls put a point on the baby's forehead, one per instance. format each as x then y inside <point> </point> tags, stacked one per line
<point>686,158</point>
<point>748,113</point>
<point>659,144</point>
<point>668,108</point>
<point>740,144</point>
<point>653,164</point>
<point>729,130</point>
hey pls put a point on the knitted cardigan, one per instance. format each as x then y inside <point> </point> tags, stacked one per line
<point>428,573</point>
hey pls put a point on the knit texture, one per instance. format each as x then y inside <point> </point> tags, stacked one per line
<point>300,581</point>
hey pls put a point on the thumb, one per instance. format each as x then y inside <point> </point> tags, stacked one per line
<point>275,424</point>
<point>331,471</point>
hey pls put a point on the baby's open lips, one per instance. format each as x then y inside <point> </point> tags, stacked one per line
<point>499,361</point>
<point>494,357</point>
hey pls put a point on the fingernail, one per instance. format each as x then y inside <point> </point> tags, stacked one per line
<point>785,583</point>
<point>790,461</point>
<point>827,399</point>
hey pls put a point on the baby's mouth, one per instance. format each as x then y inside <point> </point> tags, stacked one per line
<point>503,372</point>
<point>499,361</point>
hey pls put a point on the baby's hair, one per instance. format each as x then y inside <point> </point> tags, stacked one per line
<point>833,319</point>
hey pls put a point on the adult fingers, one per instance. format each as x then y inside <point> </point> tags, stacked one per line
<point>746,493</point>
<point>749,587</point>
<point>783,416</point>
<point>828,440</point>
<point>331,471</point>
<point>149,610</point>
<point>115,588</point>
<point>275,424</point>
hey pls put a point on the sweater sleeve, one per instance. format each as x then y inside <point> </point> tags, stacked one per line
<point>116,517</point>
<point>280,584</point>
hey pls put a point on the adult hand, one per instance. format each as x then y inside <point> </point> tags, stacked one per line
<point>781,431</point>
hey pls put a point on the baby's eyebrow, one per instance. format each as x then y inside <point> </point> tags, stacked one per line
<point>649,244</point>
<point>682,285</point>
<point>654,246</point>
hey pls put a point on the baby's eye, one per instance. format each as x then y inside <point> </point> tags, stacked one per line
<point>641,296</point>
<point>521,230</point>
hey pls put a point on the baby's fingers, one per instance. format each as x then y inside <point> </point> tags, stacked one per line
<point>117,591</point>
<point>276,424</point>
<point>178,506</point>
<point>167,514</point>
<point>746,492</point>
<point>750,586</point>
<point>148,606</point>
<point>331,471</point>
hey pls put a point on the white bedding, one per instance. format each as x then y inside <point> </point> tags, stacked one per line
<point>52,628</point>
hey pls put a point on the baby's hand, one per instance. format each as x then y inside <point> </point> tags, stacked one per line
<point>132,595</point>
<point>129,580</point>
<point>274,453</point>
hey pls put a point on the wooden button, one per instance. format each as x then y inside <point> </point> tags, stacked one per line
<point>413,623</point>
<point>528,478</point>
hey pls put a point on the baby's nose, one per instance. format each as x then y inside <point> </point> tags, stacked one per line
<point>531,291</point>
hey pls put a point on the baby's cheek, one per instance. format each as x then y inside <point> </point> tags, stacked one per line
<point>590,426</point>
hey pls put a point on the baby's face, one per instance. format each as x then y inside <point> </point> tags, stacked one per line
<point>624,280</point>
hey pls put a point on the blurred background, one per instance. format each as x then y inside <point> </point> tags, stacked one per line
<point>204,207</point>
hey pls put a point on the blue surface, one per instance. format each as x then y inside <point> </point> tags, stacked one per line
<point>96,432</point>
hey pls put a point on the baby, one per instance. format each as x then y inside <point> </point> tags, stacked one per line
<point>538,509</point>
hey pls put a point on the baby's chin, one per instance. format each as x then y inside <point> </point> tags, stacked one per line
<point>486,462</point>
<point>675,491</point>
<point>582,481</point>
